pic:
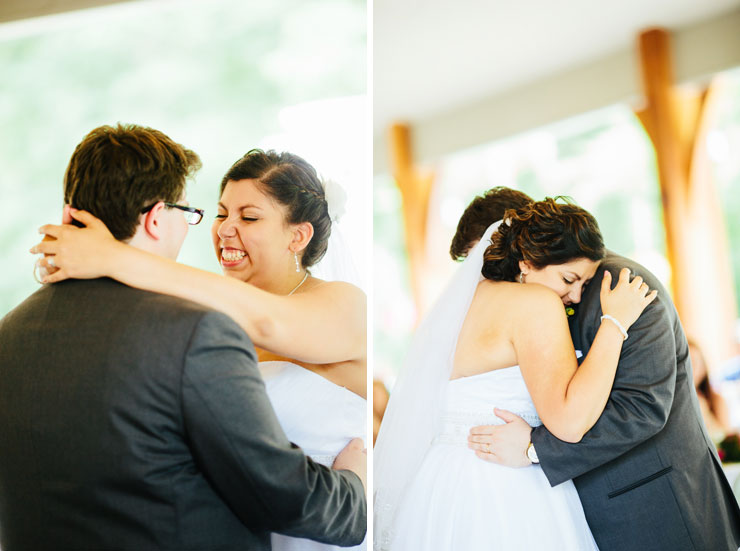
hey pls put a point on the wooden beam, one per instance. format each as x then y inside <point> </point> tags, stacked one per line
<point>677,122</point>
<point>415,188</point>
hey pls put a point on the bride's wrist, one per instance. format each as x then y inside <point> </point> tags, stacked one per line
<point>113,259</point>
<point>611,321</point>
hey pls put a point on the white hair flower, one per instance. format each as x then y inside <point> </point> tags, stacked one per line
<point>336,199</point>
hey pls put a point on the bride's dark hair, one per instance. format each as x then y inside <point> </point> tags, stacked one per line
<point>542,233</point>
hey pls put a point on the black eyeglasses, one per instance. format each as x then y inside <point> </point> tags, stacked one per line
<point>193,216</point>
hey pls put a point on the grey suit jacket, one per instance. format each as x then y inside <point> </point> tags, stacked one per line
<point>647,473</point>
<point>133,420</point>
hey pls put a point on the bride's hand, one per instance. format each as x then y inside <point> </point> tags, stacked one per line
<point>353,458</point>
<point>82,253</point>
<point>627,300</point>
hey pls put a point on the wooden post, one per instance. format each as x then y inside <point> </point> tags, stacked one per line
<point>415,190</point>
<point>677,122</point>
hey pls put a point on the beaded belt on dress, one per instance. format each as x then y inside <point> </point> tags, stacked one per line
<point>455,426</point>
<point>326,460</point>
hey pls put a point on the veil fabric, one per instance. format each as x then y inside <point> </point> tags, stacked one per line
<point>412,417</point>
<point>338,263</point>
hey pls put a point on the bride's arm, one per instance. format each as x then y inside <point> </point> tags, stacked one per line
<point>325,324</point>
<point>569,399</point>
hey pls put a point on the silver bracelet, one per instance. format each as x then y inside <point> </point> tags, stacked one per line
<point>615,321</point>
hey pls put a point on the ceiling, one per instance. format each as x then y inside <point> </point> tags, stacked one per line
<point>12,10</point>
<point>433,56</point>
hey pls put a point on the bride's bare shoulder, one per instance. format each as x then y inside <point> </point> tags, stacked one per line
<point>530,298</point>
<point>337,290</point>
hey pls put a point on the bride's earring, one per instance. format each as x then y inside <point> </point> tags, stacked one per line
<point>297,265</point>
<point>521,277</point>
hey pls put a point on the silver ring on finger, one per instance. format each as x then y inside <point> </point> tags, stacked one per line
<point>50,262</point>
<point>35,275</point>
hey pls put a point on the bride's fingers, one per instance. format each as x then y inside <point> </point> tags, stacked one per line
<point>482,439</point>
<point>356,443</point>
<point>486,448</point>
<point>606,283</point>
<point>483,429</point>
<point>490,457</point>
<point>52,230</point>
<point>624,276</point>
<point>45,247</point>
<point>85,217</point>
<point>46,265</point>
<point>505,415</point>
<point>59,275</point>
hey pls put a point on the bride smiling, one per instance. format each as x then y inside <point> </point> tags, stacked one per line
<point>272,225</point>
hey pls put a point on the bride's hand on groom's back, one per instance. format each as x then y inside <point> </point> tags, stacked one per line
<point>628,298</point>
<point>353,458</point>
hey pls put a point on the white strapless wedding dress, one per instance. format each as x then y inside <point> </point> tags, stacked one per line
<point>317,415</point>
<point>457,501</point>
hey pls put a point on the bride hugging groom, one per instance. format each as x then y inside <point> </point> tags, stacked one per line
<point>609,454</point>
<point>130,419</point>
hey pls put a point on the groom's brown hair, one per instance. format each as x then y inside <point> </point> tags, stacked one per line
<point>117,171</point>
<point>483,211</point>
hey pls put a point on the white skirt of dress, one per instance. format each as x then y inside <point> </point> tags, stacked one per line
<point>458,501</point>
<point>320,417</point>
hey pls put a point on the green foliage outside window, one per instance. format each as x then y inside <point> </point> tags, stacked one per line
<point>215,76</point>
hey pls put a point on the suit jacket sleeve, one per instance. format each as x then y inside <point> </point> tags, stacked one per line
<point>640,400</point>
<point>239,445</point>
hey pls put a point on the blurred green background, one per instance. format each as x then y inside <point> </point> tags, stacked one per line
<point>220,77</point>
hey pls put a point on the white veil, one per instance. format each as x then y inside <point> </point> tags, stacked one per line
<point>411,419</point>
<point>338,263</point>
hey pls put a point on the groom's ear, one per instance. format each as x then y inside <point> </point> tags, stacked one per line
<point>302,234</point>
<point>66,216</point>
<point>152,223</point>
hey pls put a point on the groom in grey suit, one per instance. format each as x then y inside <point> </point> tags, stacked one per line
<point>647,473</point>
<point>134,420</point>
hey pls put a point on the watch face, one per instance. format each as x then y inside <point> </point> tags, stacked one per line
<point>531,454</point>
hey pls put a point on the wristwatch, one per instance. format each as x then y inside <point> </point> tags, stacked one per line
<point>532,454</point>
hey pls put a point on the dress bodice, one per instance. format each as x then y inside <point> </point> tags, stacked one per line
<point>319,416</point>
<point>470,402</point>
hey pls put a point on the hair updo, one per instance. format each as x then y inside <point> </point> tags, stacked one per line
<point>483,211</point>
<point>293,183</point>
<point>542,233</point>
